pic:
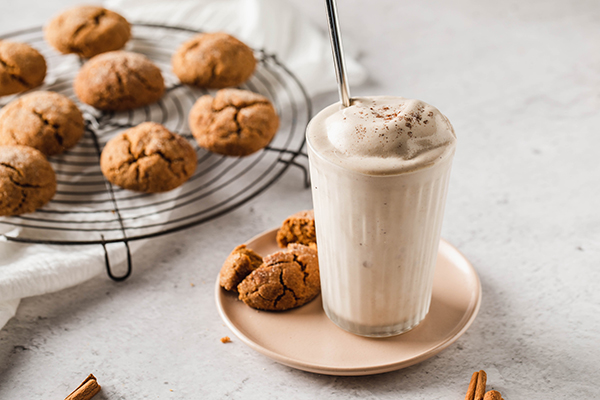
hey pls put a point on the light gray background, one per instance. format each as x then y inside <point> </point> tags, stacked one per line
<point>521,83</point>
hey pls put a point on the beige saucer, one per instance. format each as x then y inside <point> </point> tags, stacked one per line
<point>306,339</point>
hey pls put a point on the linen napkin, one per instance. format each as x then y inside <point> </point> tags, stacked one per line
<point>273,25</point>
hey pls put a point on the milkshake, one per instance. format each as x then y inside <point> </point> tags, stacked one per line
<point>379,170</point>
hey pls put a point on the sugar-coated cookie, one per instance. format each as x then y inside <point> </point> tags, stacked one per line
<point>240,263</point>
<point>148,158</point>
<point>298,228</point>
<point>21,67</point>
<point>47,121</point>
<point>27,180</point>
<point>119,80</point>
<point>287,279</point>
<point>213,60</point>
<point>87,31</point>
<point>234,122</point>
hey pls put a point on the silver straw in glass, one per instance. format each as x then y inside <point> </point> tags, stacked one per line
<point>338,52</point>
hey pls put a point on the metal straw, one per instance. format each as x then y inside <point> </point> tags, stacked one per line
<point>338,52</point>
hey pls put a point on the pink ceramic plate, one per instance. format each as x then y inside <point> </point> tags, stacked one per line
<point>306,339</point>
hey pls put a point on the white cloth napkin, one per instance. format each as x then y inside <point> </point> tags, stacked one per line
<point>272,25</point>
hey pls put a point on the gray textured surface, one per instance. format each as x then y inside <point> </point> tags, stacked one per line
<point>521,83</point>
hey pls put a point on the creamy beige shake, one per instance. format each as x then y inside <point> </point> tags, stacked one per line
<point>379,171</point>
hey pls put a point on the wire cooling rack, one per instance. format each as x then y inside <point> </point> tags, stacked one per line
<point>88,210</point>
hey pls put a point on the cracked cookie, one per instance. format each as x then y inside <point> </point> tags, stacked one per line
<point>287,279</point>
<point>27,180</point>
<point>234,122</point>
<point>213,60</point>
<point>298,228</point>
<point>119,80</point>
<point>87,31</point>
<point>240,263</point>
<point>21,67</point>
<point>47,121</point>
<point>148,158</point>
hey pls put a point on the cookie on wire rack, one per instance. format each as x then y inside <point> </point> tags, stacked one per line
<point>27,180</point>
<point>87,31</point>
<point>118,81</point>
<point>234,122</point>
<point>47,121</point>
<point>213,60</point>
<point>148,158</point>
<point>21,67</point>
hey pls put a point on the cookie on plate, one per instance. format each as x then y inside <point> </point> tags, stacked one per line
<point>21,67</point>
<point>87,31</point>
<point>234,122</point>
<point>240,263</point>
<point>27,180</point>
<point>287,279</point>
<point>119,80</point>
<point>213,60</point>
<point>148,158</point>
<point>47,121</point>
<point>298,228</point>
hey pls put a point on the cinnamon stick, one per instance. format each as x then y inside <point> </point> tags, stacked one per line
<point>493,395</point>
<point>472,385</point>
<point>476,389</point>
<point>481,381</point>
<point>88,389</point>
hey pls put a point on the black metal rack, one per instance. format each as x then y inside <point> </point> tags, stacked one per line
<point>88,210</point>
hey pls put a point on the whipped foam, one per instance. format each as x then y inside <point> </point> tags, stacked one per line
<point>382,135</point>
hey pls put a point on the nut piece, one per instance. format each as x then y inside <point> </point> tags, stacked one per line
<point>148,158</point>
<point>21,67</point>
<point>287,279</point>
<point>298,228</point>
<point>493,395</point>
<point>119,80</point>
<point>27,180</point>
<point>234,122</point>
<point>213,60</point>
<point>88,31</point>
<point>47,121</point>
<point>240,263</point>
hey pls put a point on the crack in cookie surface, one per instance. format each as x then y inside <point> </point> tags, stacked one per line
<point>287,279</point>
<point>27,180</point>
<point>9,69</point>
<point>148,158</point>
<point>235,122</point>
<point>46,121</point>
<point>131,81</point>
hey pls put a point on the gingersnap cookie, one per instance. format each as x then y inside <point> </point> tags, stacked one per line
<point>27,180</point>
<point>148,158</point>
<point>239,264</point>
<point>21,67</point>
<point>298,228</point>
<point>287,279</point>
<point>119,80</point>
<point>47,121</point>
<point>234,122</point>
<point>213,60</point>
<point>87,31</point>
